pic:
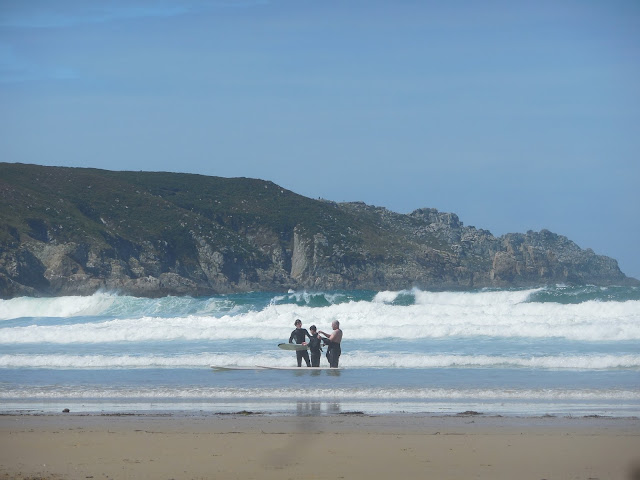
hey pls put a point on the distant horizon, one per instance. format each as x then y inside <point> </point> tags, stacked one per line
<point>514,116</point>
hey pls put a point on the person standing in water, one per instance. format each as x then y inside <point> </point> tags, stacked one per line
<point>333,344</point>
<point>315,346</point>
<point>299,335</point>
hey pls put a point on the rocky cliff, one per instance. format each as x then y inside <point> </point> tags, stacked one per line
<point>66,231</point>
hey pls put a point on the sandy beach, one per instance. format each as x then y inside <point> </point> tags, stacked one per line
<point>351,446</point>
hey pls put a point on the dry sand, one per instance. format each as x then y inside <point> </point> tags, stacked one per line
<point>398,447</point>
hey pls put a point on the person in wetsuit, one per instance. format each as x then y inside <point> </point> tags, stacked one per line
<point>333,344</point>
<point>315,346</point>
<point>299,335</point>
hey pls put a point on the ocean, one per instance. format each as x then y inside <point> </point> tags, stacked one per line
<point>559,350</point>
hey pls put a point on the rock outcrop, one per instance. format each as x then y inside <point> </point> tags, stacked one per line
<point>66,231</point>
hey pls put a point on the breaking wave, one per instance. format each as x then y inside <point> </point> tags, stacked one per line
<point>354,360</point>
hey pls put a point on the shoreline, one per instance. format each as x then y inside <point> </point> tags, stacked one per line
<point>246,413</point>
<point>247,445</point>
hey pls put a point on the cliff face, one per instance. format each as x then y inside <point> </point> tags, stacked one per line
<point>74,231</point>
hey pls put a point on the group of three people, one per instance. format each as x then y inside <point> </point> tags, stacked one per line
<point>332,341</point>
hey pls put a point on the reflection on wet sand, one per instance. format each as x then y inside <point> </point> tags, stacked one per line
<point>311,408</point>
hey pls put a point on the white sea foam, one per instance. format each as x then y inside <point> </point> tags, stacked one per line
<point>498,314</point>
<point>103,303</point>
<point>386,297</point>
<point>589,321</point>
<point>56,307</point>
<point>352,360</point>
<point>477,299</point>
<point>416,394</point>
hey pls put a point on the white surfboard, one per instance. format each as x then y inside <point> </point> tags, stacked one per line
<point>303,368</point>
<point>292,346</point>
<point>222,368</point>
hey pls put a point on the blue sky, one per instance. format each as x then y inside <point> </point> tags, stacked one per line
<point>515,115</point>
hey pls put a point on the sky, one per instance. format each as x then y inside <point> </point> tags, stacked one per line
<point>514,115</point>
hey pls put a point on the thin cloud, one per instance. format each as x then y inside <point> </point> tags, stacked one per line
<point>16,69</point>
<point>47,14</point>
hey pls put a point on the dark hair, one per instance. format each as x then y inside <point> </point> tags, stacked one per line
<point>296,322</point>
<point>313,327</point>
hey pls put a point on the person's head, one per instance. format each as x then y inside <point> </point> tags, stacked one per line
<point>312,329</point>
<point>298,323</point>
<point>335,324</point>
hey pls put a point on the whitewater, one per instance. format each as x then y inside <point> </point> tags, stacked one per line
<point>556,350</point>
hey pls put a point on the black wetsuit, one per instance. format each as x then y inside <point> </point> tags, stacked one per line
<point>315,347</point>
<point>333,352</point>
<point>299,335</point>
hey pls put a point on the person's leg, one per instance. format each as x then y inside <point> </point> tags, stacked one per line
<point>331,357</point>
<point>315,359</point>
<point>305,355</point>
<point>299,357</point>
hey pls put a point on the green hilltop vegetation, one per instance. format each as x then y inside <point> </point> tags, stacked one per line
<point>77,230</point>
<point>77,203</point>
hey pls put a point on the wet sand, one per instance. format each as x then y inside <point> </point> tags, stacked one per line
<point>73,446</point>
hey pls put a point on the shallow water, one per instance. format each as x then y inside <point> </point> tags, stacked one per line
<point>557,350</point>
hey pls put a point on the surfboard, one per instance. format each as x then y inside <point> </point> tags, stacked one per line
<point>292,346</point>
<point>303,368</point>
<point>219,368</point>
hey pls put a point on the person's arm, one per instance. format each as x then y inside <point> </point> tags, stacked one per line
<point>330,337</point>
<point>291,337</point>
